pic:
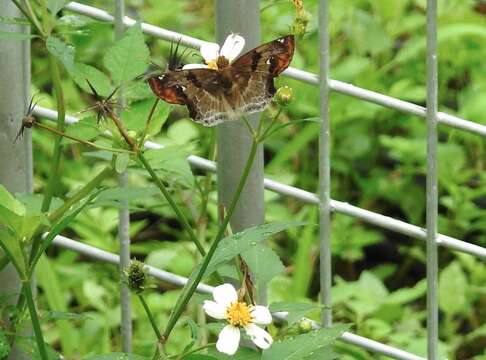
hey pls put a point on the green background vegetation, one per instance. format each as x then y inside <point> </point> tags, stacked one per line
<point>378,163</point>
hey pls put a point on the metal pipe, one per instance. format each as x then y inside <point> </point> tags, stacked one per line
<point>334,85</point>
<point>101,255</point>
<point>341,207</point>
<point>432,191</point>
<point>16,163</point>
<point>325,268</point>
<point>234,139</point>
<point>123,217</point>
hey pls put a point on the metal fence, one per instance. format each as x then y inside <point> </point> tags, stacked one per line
<point>323,200</point>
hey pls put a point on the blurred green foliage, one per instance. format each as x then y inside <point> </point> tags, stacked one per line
<point>378,163</point>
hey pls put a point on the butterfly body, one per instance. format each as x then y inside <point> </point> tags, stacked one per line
<point>225,91</point>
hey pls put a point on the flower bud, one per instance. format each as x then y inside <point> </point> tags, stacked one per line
<point>284,95</point>
<point>305,325</point>
<point>136,276</point>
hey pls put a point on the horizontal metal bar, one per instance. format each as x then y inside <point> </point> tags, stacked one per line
<point>335,85</point>
<point>371,217</point>
<point>98,254</point>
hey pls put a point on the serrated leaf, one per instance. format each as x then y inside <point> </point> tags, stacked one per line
<point>127,58</point>
<point>234,245</point>
<point>136,116</point>
<point>304,345</point>
<point>99,80</point>
<point>296,311</point>
<point>121,162</point>
<point>116,356</point>
<point>62,52</point>
<point>55,5</point>
<point>159,118</point>
<point>264,264</point>
<point>172,159</point>
<point>10,35</point>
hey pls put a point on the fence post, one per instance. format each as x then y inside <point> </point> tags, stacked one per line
<point>123,218</point>
<point>325,270</point>
<point>16,163</point>
<point>234,140</point>
<point>432,193</point>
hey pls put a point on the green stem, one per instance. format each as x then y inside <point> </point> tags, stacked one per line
<point>171,202</point>
<point>30,15</point>
<point>147,123</point>
<point>151,317</point>
<point>192,286</point>
<point>61,115</point>
<point>35,319</point>
<point>85,142</point>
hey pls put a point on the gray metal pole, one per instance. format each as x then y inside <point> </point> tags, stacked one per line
<point>123,218</point>
<point>432,192</point>
<point>16,158</point>
<point>324,169</point>
<point>234,140</point>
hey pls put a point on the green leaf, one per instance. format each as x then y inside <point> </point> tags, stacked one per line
<point>234,245</point>
<point>55,5</point>
<point>116,356</point>
<point>7,20</point>
<point>453,289</point>
<point>127,58</point>
<point>296,311</point>
<point>99,80</point>
<point>10,35</point>
<point>4,345</point>
<point>241,354</point>
<point>304,345</point>
<point>199,357</point>
<point>62,51</point>
<point>64,315</point>
<point>9,202</point>
<point>85,129</point>
<point>172,159</point>
<point>136,117</point>
<point>159,118</point>
<point>264,264</point>
<point>121,162</point>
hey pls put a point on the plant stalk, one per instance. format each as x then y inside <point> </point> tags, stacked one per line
<point>186,295</point>
<point>35,319</point>
<point>151,317</point>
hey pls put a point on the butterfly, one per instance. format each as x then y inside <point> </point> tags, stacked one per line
<point>227,86</point>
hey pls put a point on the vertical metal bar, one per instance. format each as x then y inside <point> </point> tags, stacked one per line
<point>432,193</point>
<point>123,218</point>
<point>16,163</point>
<point>324,168</point>
<point>234,140</point>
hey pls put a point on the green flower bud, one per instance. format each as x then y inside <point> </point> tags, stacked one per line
<point>305,325</point>
<point>284,95</point>
<point>136,276</point>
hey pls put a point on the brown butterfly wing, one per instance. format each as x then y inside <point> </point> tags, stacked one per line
<point>214,96</point>
<point>254,71</point>
<point>203,91</point>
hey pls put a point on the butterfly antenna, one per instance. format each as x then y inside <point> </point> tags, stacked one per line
<point>93,90</point>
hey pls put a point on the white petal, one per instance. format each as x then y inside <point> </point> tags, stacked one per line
<point>228,340</point>
<point>209,51</point>
<point>261,315</point>
<point>194,66</point>
<point>260,337</point>
<point>225,294</point>
<point>232,46</point>
<point>214,310</point>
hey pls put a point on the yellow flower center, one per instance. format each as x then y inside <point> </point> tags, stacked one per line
<point>238,314</point>
<point>213,64</point>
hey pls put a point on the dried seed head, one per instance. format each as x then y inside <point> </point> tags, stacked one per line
<point>136,276</point>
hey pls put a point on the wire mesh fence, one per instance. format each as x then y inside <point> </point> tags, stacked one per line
<point>326,205</point>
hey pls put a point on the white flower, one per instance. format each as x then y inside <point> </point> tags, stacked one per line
<point>216,57</point>
<point>239,315</point>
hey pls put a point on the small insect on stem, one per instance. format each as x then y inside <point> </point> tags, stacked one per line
<point>28,120</point>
